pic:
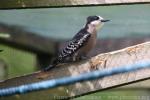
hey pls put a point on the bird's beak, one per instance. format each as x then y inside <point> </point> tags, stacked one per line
<point>104,20</point>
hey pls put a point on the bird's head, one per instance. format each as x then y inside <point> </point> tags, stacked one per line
<point>95,22</point>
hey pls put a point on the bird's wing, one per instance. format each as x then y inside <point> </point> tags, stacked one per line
<point>75,44</point>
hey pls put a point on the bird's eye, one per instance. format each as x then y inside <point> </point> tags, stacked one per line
<point>96,18</point>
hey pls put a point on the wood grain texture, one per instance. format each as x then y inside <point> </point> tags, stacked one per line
<point>118,58</point>
<point>57,3</point>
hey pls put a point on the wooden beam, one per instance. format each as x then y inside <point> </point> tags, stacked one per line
<point>18,37</point>
<point>118,58</point>
<point>6,4</point>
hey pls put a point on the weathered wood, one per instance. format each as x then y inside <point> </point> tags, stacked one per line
<point>125,56</point>
<point>18,37</point>
<point>3,69</point>
<point>56,3</point>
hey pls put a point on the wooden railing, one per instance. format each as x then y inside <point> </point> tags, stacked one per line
<point>122,57</point>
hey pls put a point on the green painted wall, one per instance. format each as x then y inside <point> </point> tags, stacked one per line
<point>17,62</point>
<point>63,23</point>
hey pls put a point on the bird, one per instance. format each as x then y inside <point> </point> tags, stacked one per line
<point>81,44</point>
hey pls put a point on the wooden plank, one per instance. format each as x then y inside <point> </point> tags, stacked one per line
<point>57,3</point>
<point>18,37</point>
<point>118,58</point>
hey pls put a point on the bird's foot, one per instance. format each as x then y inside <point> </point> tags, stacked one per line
<point>48,68</point>
<point>83,57</point>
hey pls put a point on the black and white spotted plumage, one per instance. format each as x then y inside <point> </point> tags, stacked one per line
<point>81,43</point>
<point>79,40</point>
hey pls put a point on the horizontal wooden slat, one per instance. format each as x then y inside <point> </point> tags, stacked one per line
<point>18,37</point>
<point>58,3</point>
<point>122,57</point>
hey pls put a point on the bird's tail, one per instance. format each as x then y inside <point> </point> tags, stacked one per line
<point>54,64</point>
<point>48,68</point>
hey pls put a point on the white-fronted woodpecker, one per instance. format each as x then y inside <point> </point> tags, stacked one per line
<point>81,44</point>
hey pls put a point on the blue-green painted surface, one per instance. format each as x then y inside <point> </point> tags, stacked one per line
<point>63,23</point>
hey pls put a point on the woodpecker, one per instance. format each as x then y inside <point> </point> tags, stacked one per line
<point>80,45</point>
